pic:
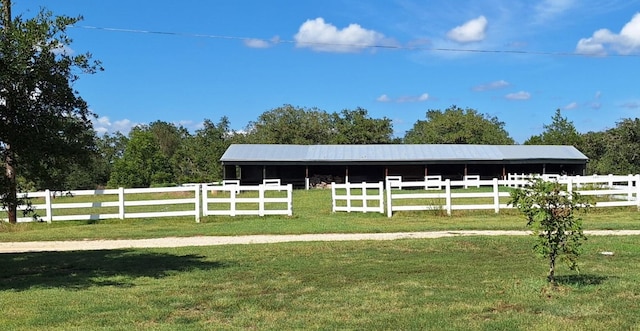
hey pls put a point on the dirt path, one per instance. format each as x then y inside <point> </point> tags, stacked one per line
<point>47,246</point>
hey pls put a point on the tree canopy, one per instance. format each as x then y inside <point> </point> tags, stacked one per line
<point>455,125</point>
<point>561,131</point>
<point>309,126</point>
<point>616,150</point>
<point>45,126</point>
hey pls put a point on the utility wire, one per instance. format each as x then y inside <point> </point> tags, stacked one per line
<point>390,46</point>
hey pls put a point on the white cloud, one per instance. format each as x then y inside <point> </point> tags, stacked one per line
<point>325,37</point>
<point>549,9</point>
<point>383,98</point>
<point>257,43</point>
<point>603,40</point>
<point>471,31</point>
<point>408,98</point>
<point>423,97</point>
<point>522,95</point>
<point>492,86</point>
<point>261,43</point>
<point>104,125</point>
<point>570,106</point>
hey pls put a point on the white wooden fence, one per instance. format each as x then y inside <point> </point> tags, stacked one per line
<point>187,200</point>
<point>618,191</point>
<point>271,199</point>
<point>111,204</point>
<point>358,197</point>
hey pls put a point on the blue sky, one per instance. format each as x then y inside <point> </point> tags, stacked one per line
<point>519,60</point>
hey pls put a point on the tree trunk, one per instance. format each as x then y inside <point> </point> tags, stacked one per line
<point>12,194</point>
<point>9,161</point>
<point>551,278</point>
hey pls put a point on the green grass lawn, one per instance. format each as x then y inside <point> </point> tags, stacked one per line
<point>477,283</point>
<point>465,283</point>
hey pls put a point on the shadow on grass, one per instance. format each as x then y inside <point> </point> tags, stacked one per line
<point>83,269</point>
<point>581,280</point>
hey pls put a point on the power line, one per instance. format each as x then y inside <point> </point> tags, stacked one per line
<point>350,45</point>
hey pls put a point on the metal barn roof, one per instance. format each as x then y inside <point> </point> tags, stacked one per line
<point>398,153</point>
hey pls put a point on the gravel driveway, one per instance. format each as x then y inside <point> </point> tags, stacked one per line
<point>47,246</point>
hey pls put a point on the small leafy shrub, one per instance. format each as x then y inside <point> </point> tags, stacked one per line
<point>550,213</point>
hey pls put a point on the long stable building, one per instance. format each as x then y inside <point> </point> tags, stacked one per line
<point>296,164</point>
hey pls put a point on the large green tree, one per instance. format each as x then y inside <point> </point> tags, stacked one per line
<point>357,127</point>
<point>290,125</point>
<point>561,131</point>
<point>143,162</point>
<point>614,151</point>
<point>45,125</point>
<point>455,125</point>
<point>198,159</point>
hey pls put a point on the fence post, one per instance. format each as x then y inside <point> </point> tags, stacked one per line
<point>306,183</point>
<point>496,196</point>
<point>380,197</point>
<point>610,181</point>
<point>205,200</point>
<point>570,187</point>
<point>333,197</point>
<point>290,198</point>
<point>389,195</point>
<point>232,200</point>
<point>348,186</point>
<point>261,190</point>
<point>447,193</point>
<point>638,191</point>
<point>364,197</point>
<point>48,206</point>
<point>121,202</point>
<point>630,188</point>
<point>197,202</point>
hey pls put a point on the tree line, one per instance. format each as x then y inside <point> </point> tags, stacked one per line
<point>162,153</point>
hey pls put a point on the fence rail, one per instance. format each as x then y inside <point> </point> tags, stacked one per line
<point>118,203</point>
<point>239,201</point>
<point>272,199</point>
<point>358,193</point>
<point>613,190</point>
<point>144,202</point>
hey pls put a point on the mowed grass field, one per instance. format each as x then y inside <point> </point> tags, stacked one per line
<point>464,283</point>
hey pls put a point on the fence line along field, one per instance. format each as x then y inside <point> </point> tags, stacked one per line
<point>271,198</point>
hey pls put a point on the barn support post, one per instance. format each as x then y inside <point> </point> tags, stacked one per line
<point>346,174</point>
<point>544,168</point>
<point>306,177</point>
<point>224,171</point>
<point>264,172</point>
<point>466,170</point>
<point>504,171</point>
